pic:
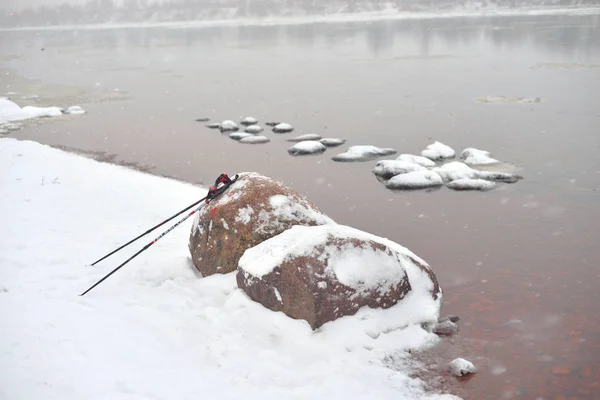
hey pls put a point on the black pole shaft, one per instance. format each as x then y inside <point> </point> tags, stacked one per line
<point>148,231</point>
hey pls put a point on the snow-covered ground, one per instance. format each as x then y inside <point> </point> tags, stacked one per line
<point>155,329</point>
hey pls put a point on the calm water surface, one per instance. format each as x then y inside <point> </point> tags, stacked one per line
<point>519,264</point>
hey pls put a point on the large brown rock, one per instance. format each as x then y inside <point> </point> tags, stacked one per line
<point>252,210</point>
<point>322,273</point>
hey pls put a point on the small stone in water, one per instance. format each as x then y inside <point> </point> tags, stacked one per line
<point>213,125</point>
<point>308,136</point>
<point>254,129</point>
<point>248,121</point>
<point>203,119</point>
<point>282,128</point>
<point>255,139</point>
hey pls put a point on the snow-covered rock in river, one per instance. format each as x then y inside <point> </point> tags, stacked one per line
<point>255,139</point>
<point>471,184</point>
<point>251,210</point>
<point>228,126</point>
<point>249,121</point>
<point>457,170</point>
<point>461,367</point>
<point>446,328</point>
<point>239,135</point>
<point>75,110</point>
<point>422,161</point>
<point>363,153</point>
<point>332,142</point>
<point>11,111</point>
<point>307,147</point>
<point>415,180</point>
<point>322,273</point>
<point>283,128</point>
<point>213,125</point>
<point>272,123</point>
<point>385,169</point>
<point>438,151</point>
<point>308,136</point>
<point>254,129</point>
<point>473,156</point>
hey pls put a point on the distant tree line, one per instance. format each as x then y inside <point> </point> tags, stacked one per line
<point>106,11</point>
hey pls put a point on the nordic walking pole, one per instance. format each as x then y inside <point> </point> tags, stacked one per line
<point>149,230</point>
<point>220,179</point>
<point>212,194</point>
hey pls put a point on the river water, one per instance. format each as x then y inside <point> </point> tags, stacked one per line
<point>519,264</point>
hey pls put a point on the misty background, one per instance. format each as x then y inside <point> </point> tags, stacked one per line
<point>25,13</point>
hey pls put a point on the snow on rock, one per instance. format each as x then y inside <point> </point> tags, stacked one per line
<point>329,271</point>
<point>415,180</point>
<point>471,184</point>
<point>438,151</point>
<point>457,170</point>
<point>239,135</point>
<point>446,328</point>
<point>213,125</point>
<point>156,311</point>
<point>254,129</point>
<point>75,110</point>
<point>332,142</point>
<point>363,153</point>
<point>422,161</point>
<point>473,156</point>
<point>461,367</point>
<point>248,121</point>
<point>307,147</point>
<point>385,169</point>
<point>255,139</point>
<point>308,136</point>
<point>228,126</point>
<point>257,208</point>
<point>283,128</point>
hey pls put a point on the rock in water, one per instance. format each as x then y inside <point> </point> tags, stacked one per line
<point>239,135</point>
<point>228,126</point>
<point>252,210</point>
<point>255,139</point>
<point>362,153</point>
<point>308,136</point>
<point>386,169</point>
<point>471,184</point>
<point>422,161</point>
<point>474,156</point>
<point>322,273</point>
<point>446,328</point>
<point>282,128</point>
<point>457,170</point>
<point>461,367</point>
<point>438,151</point>
<point>332,142</point>
<point>254,129</point>
<point>213,125</point>
<point>75,110</point>
<point>415,180</point>
<point>272,123</point>
<point>307,147</point>
<point>202,119</point>
<point>249,121</point>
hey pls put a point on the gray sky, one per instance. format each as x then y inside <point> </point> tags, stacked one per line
<point>20,4</point>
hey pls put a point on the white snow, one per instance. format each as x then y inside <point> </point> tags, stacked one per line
<point>75,110</point>
<point>239,135</point>
<point>471,184</point>
<point>11,111</point>
<point>283,128</point>
<point>244,215</point>
<point>422,161</point>
<point>473,156</point>
<point>307,147</point>
<point>332,142</point>
<point>308,136</point>
<point>460,367</point>
<point>288,209</point>
<point>278,295</point>
<point>228,125</point>
<point>415,180</point>
<point>254,129</point>
<point>154,329</point>
<point>362,153</point>
<point>389,168</point>
<point>255,139</point>
<point>457,170</point>
<point>438,151</point>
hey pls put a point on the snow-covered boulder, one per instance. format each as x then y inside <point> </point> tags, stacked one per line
<point>461,367</point>
<point>213,125</point>
<point>363,153</point>
<point>385,169</point>
<point>253,209</point>
<point>249,121</point>
<point>471,184</point>
<point>228,126</point>
<point>258,139</point>
<point>307,147</point>
<point>332,142</point>
<point>473,156</point>
<point>239,135</point>
<point>438,151</point>
<point>254,129</point>
<point>75,110</point>
<point>308,136</point>
<point>457,170</point>
<point>283,128</point>
<point>322,273</point>
<point>415,180</point>
<point>422,161</point>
